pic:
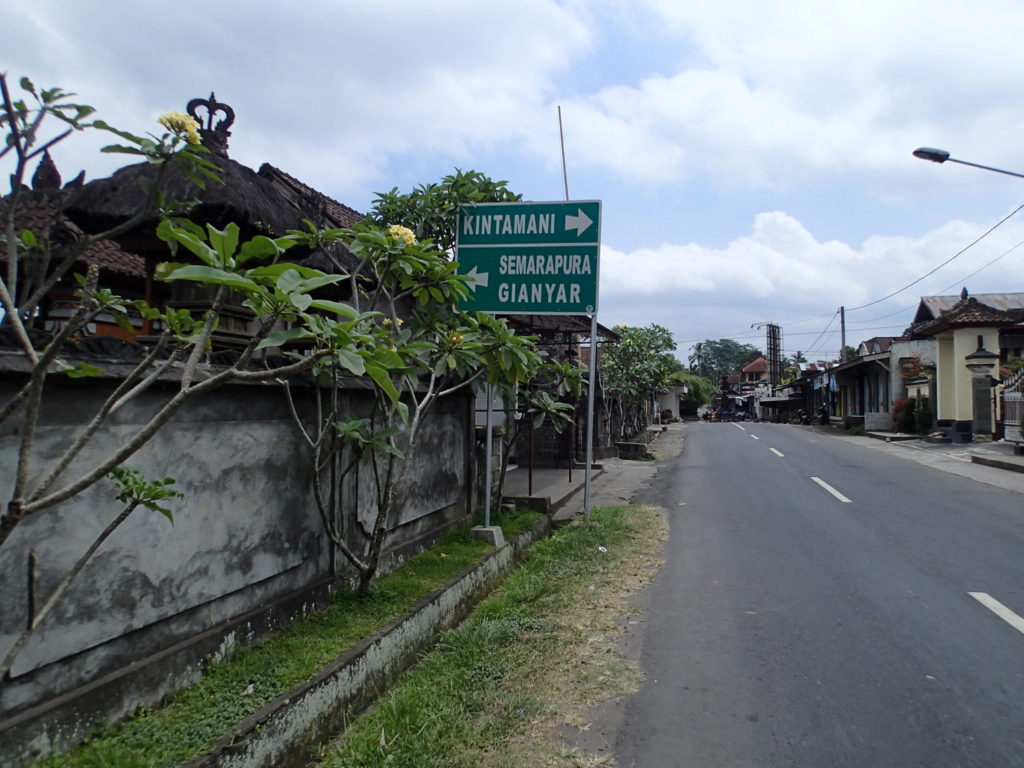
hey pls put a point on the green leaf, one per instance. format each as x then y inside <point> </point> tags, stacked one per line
<point>124,323</point>
<point>208,255</point>
<point>82,371</point>
<point>200,274</point>
<point>225,242</point>
<point>260,247</point>
<point>288,280</point>
<point>280,337</point>
<point>351,361</point>
<point>383,380</point>
<point>28,238</point>
<point>301,301</point>
<point>312,283</point>
<point>338,308</point>
<point>104,126</point>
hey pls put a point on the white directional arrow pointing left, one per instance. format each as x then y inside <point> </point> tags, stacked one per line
<point>477,279</point>
<point>580,222</point>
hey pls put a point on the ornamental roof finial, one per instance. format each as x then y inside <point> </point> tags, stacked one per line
<point>215,136</point>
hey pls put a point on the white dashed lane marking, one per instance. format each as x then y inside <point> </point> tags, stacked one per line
<point>831,490</point>
<point>999,610</point>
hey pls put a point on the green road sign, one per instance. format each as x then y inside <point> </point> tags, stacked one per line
<point>530,258</point>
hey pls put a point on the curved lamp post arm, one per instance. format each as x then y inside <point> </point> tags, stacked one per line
<point>941,156</point>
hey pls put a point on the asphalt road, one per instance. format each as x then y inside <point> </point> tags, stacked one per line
<point>828,622</point>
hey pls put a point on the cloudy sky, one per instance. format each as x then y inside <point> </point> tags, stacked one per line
<point>753,156</point>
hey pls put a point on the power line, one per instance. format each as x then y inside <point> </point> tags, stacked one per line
<point>955,283</point>
<point>963,250</point>
<point>824,331</point>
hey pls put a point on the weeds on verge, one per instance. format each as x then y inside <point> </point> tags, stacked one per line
<point>193,719</point>
<point>494,679</point>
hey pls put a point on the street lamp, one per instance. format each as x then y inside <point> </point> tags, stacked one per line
<point>941,156</point>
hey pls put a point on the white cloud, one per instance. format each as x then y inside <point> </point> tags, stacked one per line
<point>325,88</point>
<point>779,271</point>
<point>774,92</point>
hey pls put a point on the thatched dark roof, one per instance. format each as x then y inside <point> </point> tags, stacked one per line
<point>269,202</point>
<point>244,198</point>
<point>322,210</point>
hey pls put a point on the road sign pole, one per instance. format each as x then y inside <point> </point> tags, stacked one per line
<point>488,451</point>
<point>590,416</point>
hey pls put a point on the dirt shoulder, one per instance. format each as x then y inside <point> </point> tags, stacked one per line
<point>588,688</point>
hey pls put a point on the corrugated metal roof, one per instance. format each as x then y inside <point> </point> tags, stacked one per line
<point>932,306</point>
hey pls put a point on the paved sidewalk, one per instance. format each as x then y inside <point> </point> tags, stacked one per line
<point>614,483</point>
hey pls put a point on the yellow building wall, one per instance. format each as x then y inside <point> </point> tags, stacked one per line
<point>965,341</point>
<point>945,384</point>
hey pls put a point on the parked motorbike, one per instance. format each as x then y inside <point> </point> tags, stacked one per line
<point>823,418</point>
<point>803,416</point>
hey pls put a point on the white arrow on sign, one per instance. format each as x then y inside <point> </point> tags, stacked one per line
<point>477,279</point>
<point>580,222</point>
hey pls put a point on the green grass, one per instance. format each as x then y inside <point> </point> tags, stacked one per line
<point>193,719</point>
<point>459,702</point>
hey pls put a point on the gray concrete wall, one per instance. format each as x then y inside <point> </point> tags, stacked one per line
<point>924,350</point>
<point>246,535</point>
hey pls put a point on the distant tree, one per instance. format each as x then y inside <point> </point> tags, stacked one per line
<point>698,390</point>
<point>798,357</point>
<point>634,369</point>
<point>713,359</point>
<point>431,211</point>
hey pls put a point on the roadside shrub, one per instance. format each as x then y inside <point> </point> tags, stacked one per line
<point>923,416</point>
<point>903,415</point>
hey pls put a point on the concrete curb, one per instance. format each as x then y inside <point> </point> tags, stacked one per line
<point>282,733</point>
<point>1010,464</point>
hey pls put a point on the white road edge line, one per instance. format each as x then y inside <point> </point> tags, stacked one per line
<point>999,610</point>
<point>739,427</point>
<point>755,437</point>
<point>778,453</point>
<point>831,490</point>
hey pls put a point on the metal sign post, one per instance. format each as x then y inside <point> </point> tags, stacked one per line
<point>489,474</point>
<point>590,416</point>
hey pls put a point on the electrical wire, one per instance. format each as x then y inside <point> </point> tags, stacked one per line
<point>820,335</point>
<point>959,253</point>
<point>963,250</point>
<point>953,284</point>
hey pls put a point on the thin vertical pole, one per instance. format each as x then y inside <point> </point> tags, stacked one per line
<point>590,416</point>
<point>842,334</point>
<point>488,476</point>
<point>561,138</point>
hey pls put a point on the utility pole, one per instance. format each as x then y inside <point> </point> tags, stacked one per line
<point>842,334</point>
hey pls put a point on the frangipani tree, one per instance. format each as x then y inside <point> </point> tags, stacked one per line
<point>277,293</point>
<point>634,369</point>
<point>414,347</point>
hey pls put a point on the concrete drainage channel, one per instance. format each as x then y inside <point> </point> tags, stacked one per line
<point>282,733</point>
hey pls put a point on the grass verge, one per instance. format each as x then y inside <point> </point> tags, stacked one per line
<point>193,719</point>
<point>508,686</point>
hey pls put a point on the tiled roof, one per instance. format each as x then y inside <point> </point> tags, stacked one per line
<point>972,312</point>
<point>41,214</point>
<point>933,306</point>
<point>760,365</point>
